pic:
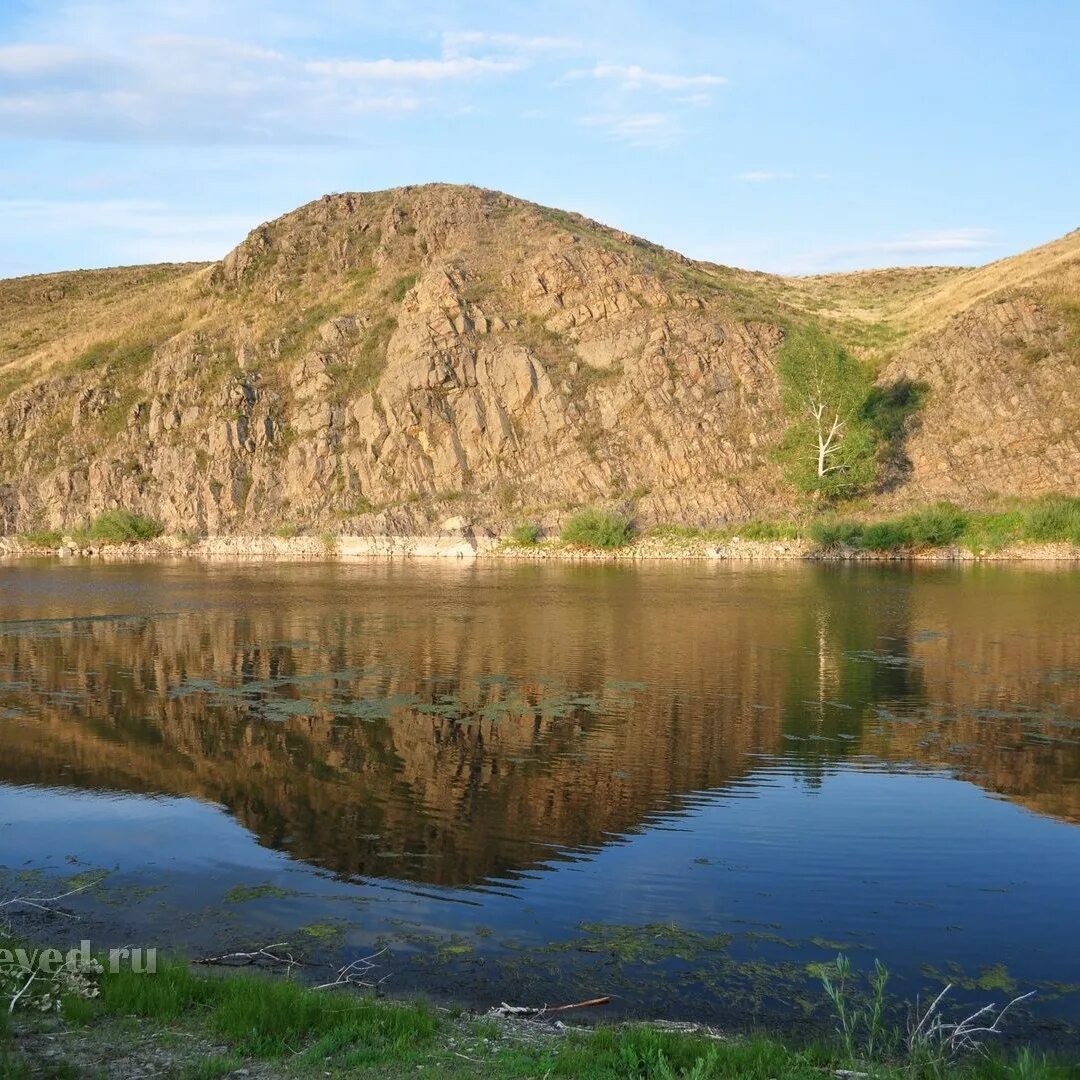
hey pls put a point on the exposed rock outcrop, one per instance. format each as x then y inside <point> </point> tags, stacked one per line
<point>374,363</point>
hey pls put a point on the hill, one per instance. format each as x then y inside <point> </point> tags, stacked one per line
<point>377,362</point>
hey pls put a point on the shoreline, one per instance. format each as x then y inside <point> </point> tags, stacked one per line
<point>212,1023</point>
<point>471,545</point>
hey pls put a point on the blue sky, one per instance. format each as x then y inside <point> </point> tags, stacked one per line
<point>777,134</point>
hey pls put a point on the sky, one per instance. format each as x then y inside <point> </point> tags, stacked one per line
<point>797,136</point>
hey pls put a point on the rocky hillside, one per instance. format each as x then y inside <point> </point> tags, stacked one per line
<point>379,362</point>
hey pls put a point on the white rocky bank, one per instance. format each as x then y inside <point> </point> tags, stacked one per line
<point>458,541</point>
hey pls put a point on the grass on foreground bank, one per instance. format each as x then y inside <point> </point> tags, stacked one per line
<point>310,1032</point>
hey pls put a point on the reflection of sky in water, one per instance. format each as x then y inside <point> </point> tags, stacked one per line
<point>936,872</point>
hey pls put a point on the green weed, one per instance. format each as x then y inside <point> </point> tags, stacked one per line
<point>121,527</point>
<point>526,534</point>
<point>598,529</point>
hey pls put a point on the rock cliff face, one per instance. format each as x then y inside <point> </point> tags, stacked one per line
<point>377,362</point>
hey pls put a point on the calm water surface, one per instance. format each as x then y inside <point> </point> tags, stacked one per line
<point>680,785</point>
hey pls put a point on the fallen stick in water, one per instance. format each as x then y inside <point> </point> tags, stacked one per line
<point>531,1012</point>
<point>266,956</point>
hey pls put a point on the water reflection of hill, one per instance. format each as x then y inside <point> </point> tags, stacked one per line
<point>452,727</point>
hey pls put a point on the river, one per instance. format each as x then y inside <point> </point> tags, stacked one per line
<point>683,785</point>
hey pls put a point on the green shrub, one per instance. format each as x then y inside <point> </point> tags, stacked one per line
<point>286,531</point>
<point>1053,519</point>
<point>365,364</point>
<point>831,534</point>
<point>525,535</point>
<point>992,532</point>
<point>45,538</point>
<point>938,526</point>
<point>122,527</point>
<point>360,507</point>
<point>598,529</point>
<point>888,408</point>
<point>768,530</point>
<point>883,536</point>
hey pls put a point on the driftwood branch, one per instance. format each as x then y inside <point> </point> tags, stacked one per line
<point>531,1012</point>
<point>42,903</point>
<point>276,956</point>
<point>354,974</point>
<point>265,957</point>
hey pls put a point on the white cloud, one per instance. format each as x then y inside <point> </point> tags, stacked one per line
<point>636,129</point>
<point>946,240</point>
<point>635,77</point>
<point>764,177</point>
<point>919,247</point>
<point>206,47</point>
<point>115,71</point>
<point>455,42</point>
<point>138,230</point>
<point>617,117</point>
<point>34,59</point>
<point>412,70</point>
<point>388,103</point>
<point>182,89</point>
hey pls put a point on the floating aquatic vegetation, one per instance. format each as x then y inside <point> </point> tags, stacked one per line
<point>265,698</point>
<point>993,977</point>
<point>648,944</point>
<point>835,946</point>
<point>325,932</point>
<point>280,709</point>
<point>371,708</point>
<point>623,686</point>
<point>243,894</point>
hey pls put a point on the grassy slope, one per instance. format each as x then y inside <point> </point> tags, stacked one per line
<point>1050,269</point>
<point>237,1022</point>
<point>45,319</point>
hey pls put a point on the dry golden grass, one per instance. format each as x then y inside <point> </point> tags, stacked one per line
<point>51,320</point>
<point>1049,269</point>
